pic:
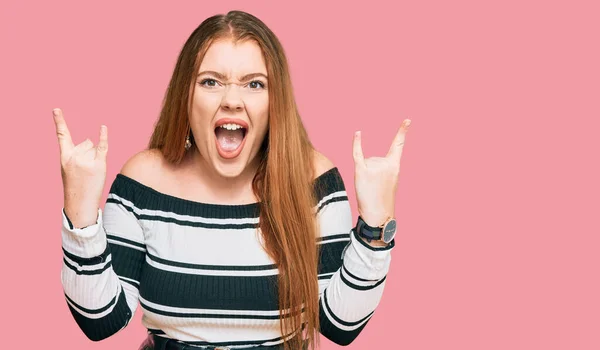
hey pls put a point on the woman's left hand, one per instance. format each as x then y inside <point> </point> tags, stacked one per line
<point>376,179</point>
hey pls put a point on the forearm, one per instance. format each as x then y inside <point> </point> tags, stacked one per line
<point>354,291</point>
<point>374,220</point>
<point>100,304</point>
<point>375,244</point>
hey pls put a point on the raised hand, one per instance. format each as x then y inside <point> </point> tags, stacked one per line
<point>83,169</point>
<point>376,179</point>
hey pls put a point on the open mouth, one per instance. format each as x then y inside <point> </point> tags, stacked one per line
<point>230,139</point>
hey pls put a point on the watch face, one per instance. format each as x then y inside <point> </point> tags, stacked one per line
<point>389,231</point>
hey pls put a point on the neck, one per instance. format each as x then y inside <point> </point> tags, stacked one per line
<point>236,189</point>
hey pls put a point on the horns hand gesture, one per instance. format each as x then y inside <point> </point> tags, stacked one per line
<point>376,179</point>
<point>83,169</point>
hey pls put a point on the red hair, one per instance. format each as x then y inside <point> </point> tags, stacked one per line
<point>284,179</point>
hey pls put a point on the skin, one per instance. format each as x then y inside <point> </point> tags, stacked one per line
<point>376,180</point>
<point>204,176</point>
<point>228,96</point>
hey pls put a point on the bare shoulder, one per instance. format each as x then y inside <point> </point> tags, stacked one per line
<point>322,164</point>
<point>145,166</point>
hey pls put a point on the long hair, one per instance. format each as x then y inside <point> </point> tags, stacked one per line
<point>284,180</point>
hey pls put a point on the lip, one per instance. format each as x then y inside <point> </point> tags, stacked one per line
<point>233,154</point>
<point>231,121</point>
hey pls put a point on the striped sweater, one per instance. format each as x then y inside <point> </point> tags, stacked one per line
<point>199,273</point>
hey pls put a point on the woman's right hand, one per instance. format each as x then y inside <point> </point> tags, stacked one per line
<point>83,169</point>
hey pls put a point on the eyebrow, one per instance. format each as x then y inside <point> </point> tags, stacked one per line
<point>223,77</point>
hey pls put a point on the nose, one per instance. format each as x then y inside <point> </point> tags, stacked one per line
<point>232,99</point>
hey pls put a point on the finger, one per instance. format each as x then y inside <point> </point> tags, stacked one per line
<point>84,146</point>
<point>395,151</point>
<point>102,148</point>
<point>62,131</point>
<point>357,152</point>
<point>91,153</point>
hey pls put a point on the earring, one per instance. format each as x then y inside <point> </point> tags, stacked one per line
<point>188,143</point>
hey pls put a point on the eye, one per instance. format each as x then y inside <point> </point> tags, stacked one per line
<point>256,84</point>
<point>208,82</point>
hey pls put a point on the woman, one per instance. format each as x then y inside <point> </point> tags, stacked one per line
<point>230,230</point>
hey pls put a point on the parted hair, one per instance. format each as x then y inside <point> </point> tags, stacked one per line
<point>284,179</point>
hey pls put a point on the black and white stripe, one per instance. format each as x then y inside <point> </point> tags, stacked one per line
<point>197,266</point>
<point>358,283</point>
<point>87,266</point>
<point>335,328</point>
<point>98,324</point>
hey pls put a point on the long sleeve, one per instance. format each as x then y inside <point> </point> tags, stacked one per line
<point>102,266</point>
<point>351,273</point>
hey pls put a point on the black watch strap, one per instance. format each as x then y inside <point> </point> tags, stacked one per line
<point>366,231</point>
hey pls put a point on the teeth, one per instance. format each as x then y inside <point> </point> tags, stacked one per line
<point>231,126</point>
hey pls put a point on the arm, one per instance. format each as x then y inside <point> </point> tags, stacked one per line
<point>349,299</point>
<point>102,266</point>
<point>351,272</point>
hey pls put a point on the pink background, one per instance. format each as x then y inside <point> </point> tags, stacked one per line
<point>499,190</point>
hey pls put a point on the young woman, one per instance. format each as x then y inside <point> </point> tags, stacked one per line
<point>230,230</point>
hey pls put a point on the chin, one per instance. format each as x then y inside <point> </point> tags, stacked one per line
<point>230,169</point>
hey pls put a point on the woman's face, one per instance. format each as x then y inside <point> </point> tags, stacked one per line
<point>230,109</point>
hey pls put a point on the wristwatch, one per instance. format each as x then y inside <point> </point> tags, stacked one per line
<point>385,233</point>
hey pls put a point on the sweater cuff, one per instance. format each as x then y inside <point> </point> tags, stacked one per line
<point>365,261</point>
<point>87,242</point>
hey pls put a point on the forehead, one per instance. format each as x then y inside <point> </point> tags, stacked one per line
<point>231,59</point>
